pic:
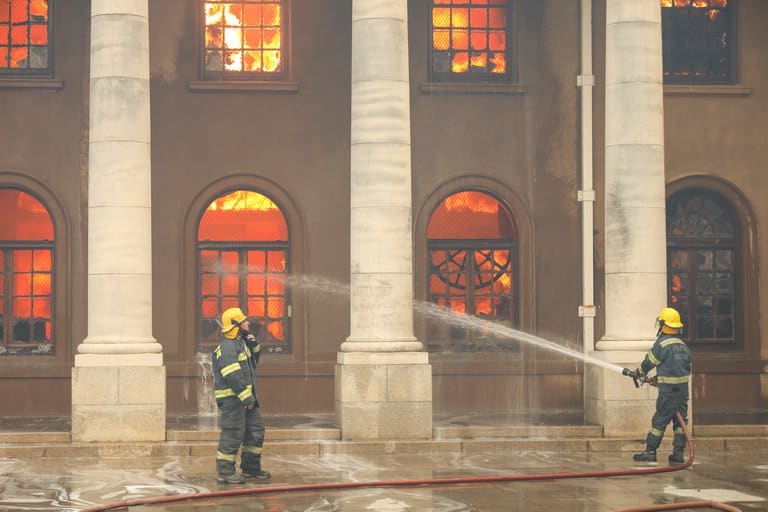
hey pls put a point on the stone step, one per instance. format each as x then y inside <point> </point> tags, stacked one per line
<point>24,450</point>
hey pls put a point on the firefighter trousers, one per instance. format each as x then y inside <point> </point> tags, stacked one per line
<point>667,404</point>
<point>239,426</point>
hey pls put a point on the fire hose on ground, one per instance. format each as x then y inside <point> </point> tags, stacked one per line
<point>339,486</point>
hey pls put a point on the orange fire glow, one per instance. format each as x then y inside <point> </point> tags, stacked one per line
<point>18,30</point>
<point>479,27</point>
<point>472,201</point>
<point>250,35</point>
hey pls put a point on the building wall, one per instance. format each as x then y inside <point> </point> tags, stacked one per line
<point>713,139</point>
<point>294,146</point>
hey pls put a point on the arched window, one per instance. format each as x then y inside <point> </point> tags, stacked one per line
<point>26,275</point>
<point>702,259</point>
<point>472,250</point>
<point>243,254</point>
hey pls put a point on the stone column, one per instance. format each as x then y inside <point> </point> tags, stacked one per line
<point>118,382</point>
<point>383,377</point>
<point>635,226</point>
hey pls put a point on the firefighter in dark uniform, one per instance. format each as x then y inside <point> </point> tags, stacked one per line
<point>234,369</point>
<point>672,360</point>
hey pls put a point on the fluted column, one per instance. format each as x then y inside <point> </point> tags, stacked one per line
<point>383,378</point>
<point>635,226</point>
<point>119,364</point>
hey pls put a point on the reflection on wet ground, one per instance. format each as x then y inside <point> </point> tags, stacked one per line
<point>71,484</point>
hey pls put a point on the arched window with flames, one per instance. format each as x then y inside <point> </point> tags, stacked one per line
<point>26,275</point>
<point>243,260</point>
<point>472,249</point>
<point>703,244</point>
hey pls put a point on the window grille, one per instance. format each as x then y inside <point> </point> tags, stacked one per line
<point>26,275</point>
<point>243,262</point>
<point>698,41</point>
<point>472,40</point>
<point>702,256</point>
<point>244,39</point>
<point>25,37</point>
<point>472,270</point>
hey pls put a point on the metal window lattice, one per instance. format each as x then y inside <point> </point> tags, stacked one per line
<point>472,276</point>
<point>697,41</point>
<point>24,36</point>
<point>470,39</point>
<point>702,267</point>
<point>243,37</point>
<point>243,256</point>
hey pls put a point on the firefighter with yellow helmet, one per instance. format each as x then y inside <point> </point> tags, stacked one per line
<point>234,369</point>
<point>672,360</point>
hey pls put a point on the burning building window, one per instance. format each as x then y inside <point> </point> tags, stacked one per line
<point>26,275</point>
<point>471,40</point>
<point>243,262</point>
<point>25,35</point>
<point>244,37</point>
<point>698,41</point>
<point>701,262</point>
<point>472,249</point>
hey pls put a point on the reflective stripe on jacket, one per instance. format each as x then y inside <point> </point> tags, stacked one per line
<point>234,372</point>
<point>672,360</point>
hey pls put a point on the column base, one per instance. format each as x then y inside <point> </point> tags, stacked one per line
<point>612,400</point>
<point>118,403</point>
<point>384,395</point>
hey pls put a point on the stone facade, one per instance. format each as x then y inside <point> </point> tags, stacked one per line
<point>358,145</point>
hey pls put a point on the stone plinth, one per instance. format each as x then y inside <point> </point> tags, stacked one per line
<point>113,402</point>
<point>384,395</point>
<point>613,401</point>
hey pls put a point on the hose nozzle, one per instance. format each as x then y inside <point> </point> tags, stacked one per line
<point>633,375</point>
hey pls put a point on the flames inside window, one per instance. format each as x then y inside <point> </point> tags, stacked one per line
<point>244,36</point>
<point>701,259</point>
<point>469,37</point>
<point>472,269</point>
<point>243,262</point>
<point>697,40</point>
<point>26,275</point>
<point>24,35</point>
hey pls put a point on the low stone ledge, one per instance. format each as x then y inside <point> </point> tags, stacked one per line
<point>523,445</point>
<point>35,437</point>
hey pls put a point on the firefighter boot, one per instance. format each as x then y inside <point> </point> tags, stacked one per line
<point>678,449</point>
<point>233,478</point>
<point>647,456</point>
<point>676,458</point>
<point>253,470</point>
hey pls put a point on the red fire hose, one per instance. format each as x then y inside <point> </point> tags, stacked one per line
<point>434,481</point>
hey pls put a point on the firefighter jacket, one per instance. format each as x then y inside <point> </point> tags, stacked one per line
<point>234,370</point>
<point>672,360</point>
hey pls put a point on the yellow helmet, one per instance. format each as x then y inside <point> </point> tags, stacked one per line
<point>230,319</point>
<point>669,317</point>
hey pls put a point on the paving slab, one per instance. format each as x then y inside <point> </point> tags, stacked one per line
<point>76,483</point>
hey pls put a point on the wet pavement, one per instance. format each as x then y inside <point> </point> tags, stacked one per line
<point>72,483</point>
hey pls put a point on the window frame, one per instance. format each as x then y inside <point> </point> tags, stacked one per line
<point>739,293</point>
<point>48,72</point>
<point>510,53</point>
<point>732,52</point>
<point>471,246</point>
<point>242,248</point>
<point>214,77</point>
